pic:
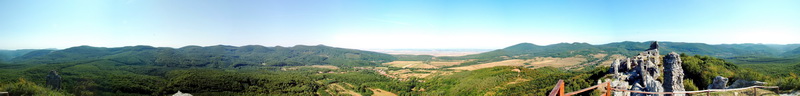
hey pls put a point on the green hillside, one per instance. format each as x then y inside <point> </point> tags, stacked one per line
<point>792,53</point>
<point>7,55</point>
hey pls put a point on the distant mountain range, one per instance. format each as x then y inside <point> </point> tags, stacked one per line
<point>231,56</point>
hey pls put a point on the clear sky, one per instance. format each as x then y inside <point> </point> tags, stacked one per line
<point>391,24</point>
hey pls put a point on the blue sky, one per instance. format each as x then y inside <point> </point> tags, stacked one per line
<point>392,24</point>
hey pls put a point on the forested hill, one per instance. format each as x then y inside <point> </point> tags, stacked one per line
<point>219,56</point>
<point>6,55</point>
<point>792,53</point>
<point>528,50</point>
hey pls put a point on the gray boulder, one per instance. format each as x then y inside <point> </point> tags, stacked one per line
<point>653,85</point>
<point>53,80</point>
<point>746,83</point>
<point>673,73</point>
<point>719,83</point>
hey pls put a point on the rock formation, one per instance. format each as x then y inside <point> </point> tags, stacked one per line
<point>181,94</point>
<point>53,80</point>
<point>653,45</point>
<point>673,79</point>
<point>719,83</point>
<point>746,83</point>
<point>639,73</point>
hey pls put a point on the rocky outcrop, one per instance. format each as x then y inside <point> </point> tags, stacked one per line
<point>673,79</point>
<point>653,45</point>
<point>639,73</point>
<point>53,80</point>
<point>719,83</point>
<point>746,83</point>
<point>181,94</point>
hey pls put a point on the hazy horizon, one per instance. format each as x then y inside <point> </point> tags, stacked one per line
<point>400,24</point>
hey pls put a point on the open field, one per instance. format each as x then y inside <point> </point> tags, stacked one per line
<point>536,63</point>
<point>312,66</point>
<point>422,64</point>
<point>445,63</point>
<point>611,59</point>
<point>409,64</point>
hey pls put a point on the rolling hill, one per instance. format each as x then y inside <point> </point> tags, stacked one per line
<point>7,55</point>
<point>212,56</point>
<point>792,53</point>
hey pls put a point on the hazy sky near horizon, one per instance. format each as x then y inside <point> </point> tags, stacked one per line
<point>392,24</point>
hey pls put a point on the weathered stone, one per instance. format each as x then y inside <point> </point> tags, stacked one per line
<point>652,69</point>
<point>627,65</point>
<point>653,85</point>
<point>745,83</point>
<point>636,87</point>
<point>53,80</point>
<point>653,45</point>
<point>719,83</point>
<point>615,66</point>
<point>181,94</point>
<point>673,73</point>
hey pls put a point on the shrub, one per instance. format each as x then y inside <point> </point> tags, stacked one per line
<point>688,84</point>
<point>26,88</point>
